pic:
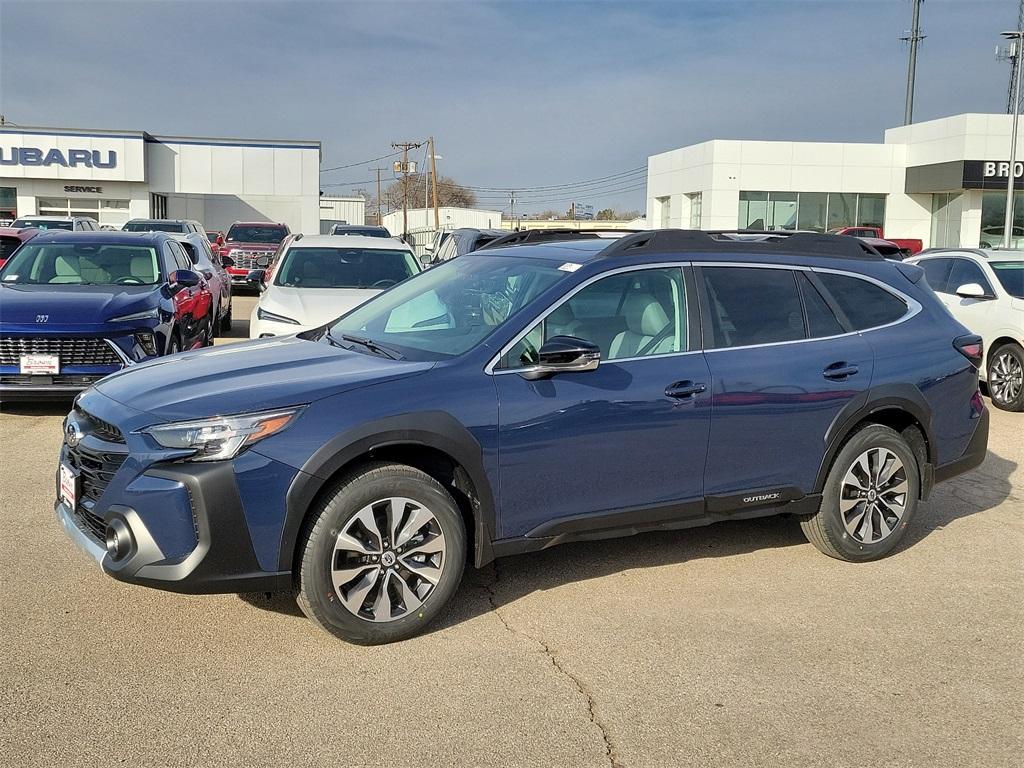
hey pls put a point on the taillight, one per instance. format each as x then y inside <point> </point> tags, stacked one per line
<point>971,347</point>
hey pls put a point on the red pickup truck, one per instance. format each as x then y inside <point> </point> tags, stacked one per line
<point>911,245</point>
<point>251,245</point>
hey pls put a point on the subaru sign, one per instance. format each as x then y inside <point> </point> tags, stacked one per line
<point>74,158</point>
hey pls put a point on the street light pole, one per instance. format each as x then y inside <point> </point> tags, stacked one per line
<point>1016,37</point>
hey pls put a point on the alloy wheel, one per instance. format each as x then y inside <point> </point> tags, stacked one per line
<point>1006,378</point>
<point>873,495</point>
<point>387,559</point>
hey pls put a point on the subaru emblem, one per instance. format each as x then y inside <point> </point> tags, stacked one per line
<point>73,435</point>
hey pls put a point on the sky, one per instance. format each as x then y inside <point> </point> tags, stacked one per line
<point>534,96</point>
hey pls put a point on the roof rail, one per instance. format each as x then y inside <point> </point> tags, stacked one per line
<point>975,251</point>
<point>534,236</point>
<point>699,240</point>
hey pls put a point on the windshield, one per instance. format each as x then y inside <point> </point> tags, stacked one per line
<point>448,310</point>
<point>82,264</point>
<point>212,236</point>
<point>154,226</point>
<point>344,268</point>
<point>43,223</point>
<point>256,233</point>
<point>1011,276</point>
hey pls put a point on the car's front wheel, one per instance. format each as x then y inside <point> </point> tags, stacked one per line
<point>384,552</point>
<point>1006,377</point>
<point>869,498</point>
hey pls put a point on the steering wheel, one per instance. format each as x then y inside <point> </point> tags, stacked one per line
<point>386,283</point>
<point>128,280</point>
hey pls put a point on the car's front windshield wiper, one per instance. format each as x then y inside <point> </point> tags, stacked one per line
<point>369,344</point>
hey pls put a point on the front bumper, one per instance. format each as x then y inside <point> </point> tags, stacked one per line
<point>182,526</point>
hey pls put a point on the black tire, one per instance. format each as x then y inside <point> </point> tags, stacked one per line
<point>333,515</point>
<point>827,528</point>
<point>1004,377</point>
<point>225,322</point>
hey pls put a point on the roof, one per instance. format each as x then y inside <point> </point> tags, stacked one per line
<point>348,241</point>
<point>993,254</point>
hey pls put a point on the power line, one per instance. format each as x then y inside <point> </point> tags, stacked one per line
<point>596,190</point>
<point>364,162</point>
<point>547,187</point>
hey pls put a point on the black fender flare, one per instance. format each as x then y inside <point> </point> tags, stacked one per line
<point>433,429</point>
<point>902,397</point>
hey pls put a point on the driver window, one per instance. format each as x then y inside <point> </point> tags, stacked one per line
<point>628,315</point>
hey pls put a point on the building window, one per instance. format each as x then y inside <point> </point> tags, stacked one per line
<point>817,211</point>
<point>946,210</point>
<point>8,203</point>
<point>993,217</point>
<point>157,206</point>
<point>695,199</point>
<point>664,212</point>
<point>112,213</point>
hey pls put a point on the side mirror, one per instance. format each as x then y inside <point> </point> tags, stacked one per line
<point>972,291</point>
<point>426,259</point>
<point>564,354</point>
<point>429,247</point>
<point>256,277</point>
<point>227,261</point>
<point>181,279</point>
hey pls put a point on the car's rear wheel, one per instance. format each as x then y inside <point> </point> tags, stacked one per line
<point>383,554</point>
<point>869,499</point>
<point>1006,377</point>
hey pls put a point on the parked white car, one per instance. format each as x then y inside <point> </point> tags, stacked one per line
<point>319,278</point>
<point>984,289</point>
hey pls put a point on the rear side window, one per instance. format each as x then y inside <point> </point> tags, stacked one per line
<point>821,321</point>
<point>864,304</point>
<point>749,305</point>
<point>936,273</point>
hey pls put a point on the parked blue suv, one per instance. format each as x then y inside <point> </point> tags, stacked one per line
<point>522,397</point>
<point>76,306</point>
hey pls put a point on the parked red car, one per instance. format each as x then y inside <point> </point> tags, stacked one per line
<point>251,245</point>
<point>11,239</point>
<point>216,239</point>
<point>908,244</point>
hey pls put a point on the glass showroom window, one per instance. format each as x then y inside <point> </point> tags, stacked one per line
<point>8,203</point>
<point>946,210</point>
<point>817,211</point>
<point>993,214</point>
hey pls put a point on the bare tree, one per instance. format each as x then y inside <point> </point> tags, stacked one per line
<point>449,193</point>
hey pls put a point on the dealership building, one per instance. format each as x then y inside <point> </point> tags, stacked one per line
<point>943,181</point>
<point>114,176</point>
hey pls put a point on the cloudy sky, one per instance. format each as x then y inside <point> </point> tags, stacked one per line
<point>517,94</point>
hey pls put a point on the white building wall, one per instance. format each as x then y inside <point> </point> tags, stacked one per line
<point>348,209</point>
<point>450,218</point>
<point>129,159</point>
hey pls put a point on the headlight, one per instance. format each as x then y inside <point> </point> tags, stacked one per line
<point>221,437</point>
<point>149,314</point>
<point>262,314</point>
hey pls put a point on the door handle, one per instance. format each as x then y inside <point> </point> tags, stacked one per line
<point>840,371</point>
<point>682,389</point>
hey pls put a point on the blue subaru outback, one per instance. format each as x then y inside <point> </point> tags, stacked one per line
<point>521,397</point>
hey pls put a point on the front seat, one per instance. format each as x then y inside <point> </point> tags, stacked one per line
<point>141,268</point>
<point>65,270</point>
<point>645,322</point>
<point>562,322</point>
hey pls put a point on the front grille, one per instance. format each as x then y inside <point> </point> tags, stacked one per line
<point>70,350</point>
<point>252,259</point>
<point>38,380</point>
<point>95,471</point>
<point>104,430</point>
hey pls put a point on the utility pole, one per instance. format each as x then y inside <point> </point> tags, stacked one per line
<point>405,146</point>
<point>1010,54</point>
<point>512,206</point>
<point>379,217</point>
<point>913,38</point>
<point>1016,38</point>
<point>433,175</point>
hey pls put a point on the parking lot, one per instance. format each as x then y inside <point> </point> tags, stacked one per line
<point>737,644</point>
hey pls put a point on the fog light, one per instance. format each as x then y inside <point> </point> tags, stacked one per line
<point>119,539</point>
<point>147,342</point>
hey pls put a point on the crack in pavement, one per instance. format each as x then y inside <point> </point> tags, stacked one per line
<point>609,749</point>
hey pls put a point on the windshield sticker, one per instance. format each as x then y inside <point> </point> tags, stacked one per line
<point>570,267</point>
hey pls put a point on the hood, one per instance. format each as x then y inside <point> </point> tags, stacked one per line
<point>250,376</point>
<point>314,307</point>
<point>73,306</point>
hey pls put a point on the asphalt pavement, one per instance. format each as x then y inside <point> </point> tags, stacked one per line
<point>733,645</point>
